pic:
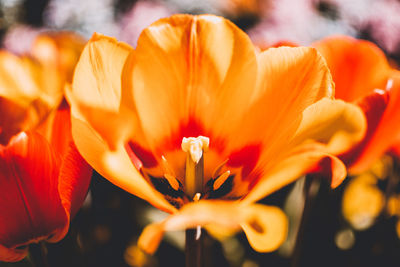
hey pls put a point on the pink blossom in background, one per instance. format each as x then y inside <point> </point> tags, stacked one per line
<point>300,21</point>
<point>142,14</point>
<point>384,23</point>
<point>297,21</point>
<point>82,16</point>
<point>380,18</point>
<point>19,38</point>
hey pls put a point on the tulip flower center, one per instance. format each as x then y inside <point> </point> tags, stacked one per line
<point>197,171</point>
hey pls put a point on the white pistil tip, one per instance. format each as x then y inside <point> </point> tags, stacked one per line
<point>195,146</point>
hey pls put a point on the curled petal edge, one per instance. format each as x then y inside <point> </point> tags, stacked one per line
<point>265,226</point>
<point>12,255</point>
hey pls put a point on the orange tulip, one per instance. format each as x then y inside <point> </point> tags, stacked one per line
<point>362,75</point>
<point>40,191</point>
<point>32,86</point>
<point>43,182</point>
<point>200,125</point>
<point>43,178</point>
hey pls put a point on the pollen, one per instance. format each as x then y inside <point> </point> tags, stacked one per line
<point>195,146</point>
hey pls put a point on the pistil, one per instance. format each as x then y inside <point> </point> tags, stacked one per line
<point>194,172</point>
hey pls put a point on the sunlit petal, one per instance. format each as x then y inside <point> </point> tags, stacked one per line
<point>304,159</point>
<point>191,68</point>
<point>265,226</point>
<point>96,87</point>
<point>114,165</point>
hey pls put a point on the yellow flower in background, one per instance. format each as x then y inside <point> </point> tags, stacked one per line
<point>200,125</point>
<point>33,85</point>
<point>363,201</point>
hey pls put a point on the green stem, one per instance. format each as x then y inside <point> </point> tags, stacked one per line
<point>194,247</point>
<point>310,188</point>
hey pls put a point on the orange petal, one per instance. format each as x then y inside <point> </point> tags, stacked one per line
<point>334,124</point>
<point>13,119</point>
<point>59,50</point>
<point>337,124</point>
<point>299,162</point>
<point>115,165</point>
<point>187,68</point>
<point>289,80</point>
<point>357,66</point>
<point>96,88</point>
<point>26,94</point>
<point>18,81</point>
<point>265,227</point>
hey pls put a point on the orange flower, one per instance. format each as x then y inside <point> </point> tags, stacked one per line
<point>199,124</point>
<point>43,182</point>
<point>32,86</point>
<point>237,8</point>
<point>43,178</point>
<point>362,75</point>
<point>41,189</point>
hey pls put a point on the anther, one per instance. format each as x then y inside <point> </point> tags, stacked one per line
<point>166,167</point>
<point>221,180</point>
<point>219,168</point>
<point>172,181</point>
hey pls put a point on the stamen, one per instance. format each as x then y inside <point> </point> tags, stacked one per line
<point>221,180</point>
<point>219,168</point>
<point>198,232</point>
<point>166,167</point>
<point>196,197</point>
<point>172,181</point>
<point>194,172</point>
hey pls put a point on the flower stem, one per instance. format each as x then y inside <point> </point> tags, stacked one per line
<point>194,247</point>
<point>38,255</point>
<point>310,190</point>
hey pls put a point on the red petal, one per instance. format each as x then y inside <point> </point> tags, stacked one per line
<point>247,157</point>
<point>30,206</point>
<point>331,168</point>
<point>374,106</point>
<point>57,129</point>
<point>74,180</point>
<point>12,255</point>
